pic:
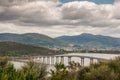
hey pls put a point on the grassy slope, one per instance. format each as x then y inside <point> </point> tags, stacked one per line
<point>13,48</point>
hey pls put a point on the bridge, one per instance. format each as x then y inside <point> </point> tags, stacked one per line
<point>65,58</point>
<point>51,60</point>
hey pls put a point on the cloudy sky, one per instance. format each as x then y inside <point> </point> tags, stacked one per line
<point>64,17</point>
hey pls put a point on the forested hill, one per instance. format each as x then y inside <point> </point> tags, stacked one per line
<point>84,40</point>
<point>92,41</point>
<point>31,38</point>
<point>18,49</point>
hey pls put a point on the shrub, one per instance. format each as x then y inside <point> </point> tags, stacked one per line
<point>31,71</point>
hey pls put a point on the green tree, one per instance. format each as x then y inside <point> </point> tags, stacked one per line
<point>60,72</point>
<point>38,70</point>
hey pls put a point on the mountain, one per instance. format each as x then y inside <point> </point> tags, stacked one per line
<point>93,41</point>
<point>31,38</point>
<point>18,49</point>
<point>84,40</point>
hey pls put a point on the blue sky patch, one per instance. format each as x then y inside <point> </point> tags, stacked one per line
<point>95,1</point>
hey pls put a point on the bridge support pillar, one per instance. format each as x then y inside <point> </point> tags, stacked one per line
<point>82,61</point>
<point>48,60</point>
<point>91,60</point>
<point>62,59</point>
<point>52,60</point>
<point>43,59</point>
<point>40,59</point>
<point>57,59</point>
<point>69,59</point>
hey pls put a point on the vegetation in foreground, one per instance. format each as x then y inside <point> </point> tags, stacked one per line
<point>32,71</point>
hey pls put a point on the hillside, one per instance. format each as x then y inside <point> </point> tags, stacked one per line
<point>93,41</point>
<point>17,49</point>
<point>84,40</point>
<point>31,38</point>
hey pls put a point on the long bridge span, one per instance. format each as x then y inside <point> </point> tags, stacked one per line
<point>51,60</point>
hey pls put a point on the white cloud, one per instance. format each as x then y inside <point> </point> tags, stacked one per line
<point>35,12</point>
<point>116,11</point>
<point>73,18</point>
<point>20,2</point>
<point>88,13</point>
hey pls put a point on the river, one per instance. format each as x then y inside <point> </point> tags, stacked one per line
<point>77,59</point>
